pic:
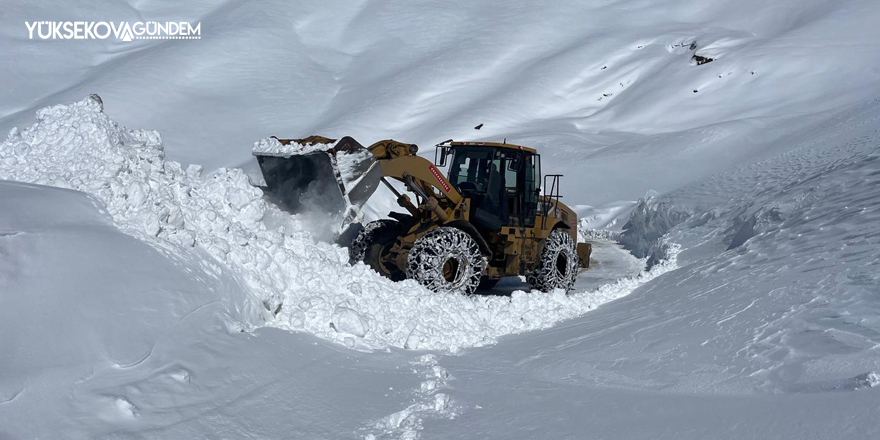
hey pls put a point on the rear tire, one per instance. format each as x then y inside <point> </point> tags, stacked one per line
<point>372,243</point>
<point>558,265</point>
<point>446,260</point>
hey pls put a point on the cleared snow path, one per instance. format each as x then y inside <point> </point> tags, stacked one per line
<point>609,262</point>
<point>303,284</point>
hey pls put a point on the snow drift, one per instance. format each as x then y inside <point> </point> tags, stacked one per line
<point>82,304</point>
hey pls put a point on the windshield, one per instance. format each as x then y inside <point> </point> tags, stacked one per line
<point>503,182</point>
<point>476,168</point>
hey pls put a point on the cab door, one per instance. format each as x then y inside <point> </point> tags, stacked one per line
<point>521,202</point>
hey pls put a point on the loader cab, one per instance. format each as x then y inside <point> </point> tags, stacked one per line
<point>500,179</point>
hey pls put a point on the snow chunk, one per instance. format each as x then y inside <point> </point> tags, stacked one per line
<point>346,320</point>
<point>273,147</point>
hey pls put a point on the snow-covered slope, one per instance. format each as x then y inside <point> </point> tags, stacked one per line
<point>742,317</point>
<point>104,336</point>
<point>606,89</point>
<point>769,329</point>
<point>80,301</point>
<point>122,308</point>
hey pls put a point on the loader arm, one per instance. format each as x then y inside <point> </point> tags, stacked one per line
<point>422,177</point>
<point>400,162</point>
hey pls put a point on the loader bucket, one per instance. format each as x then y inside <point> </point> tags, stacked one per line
<point>319,173</point>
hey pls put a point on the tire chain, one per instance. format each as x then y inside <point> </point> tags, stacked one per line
<point>430,252</point>
<point>545,276</point>
<point>358,249</point>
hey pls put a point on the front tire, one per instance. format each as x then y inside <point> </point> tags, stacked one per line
<point>372,243</point>
<point>446,260</point>
<point>558,266</point>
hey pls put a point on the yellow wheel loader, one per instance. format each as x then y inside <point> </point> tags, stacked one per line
<point>485,219</point>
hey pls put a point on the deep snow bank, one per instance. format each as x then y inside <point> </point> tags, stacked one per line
<point>802,230</point>
<point>81,302</point>
<point>105,336</point>
<point>778,285</point>
<point>303,284</point>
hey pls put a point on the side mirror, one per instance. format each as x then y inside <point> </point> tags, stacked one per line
<point>440,155</point>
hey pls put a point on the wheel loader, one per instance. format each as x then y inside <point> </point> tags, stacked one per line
<point>490,216</point>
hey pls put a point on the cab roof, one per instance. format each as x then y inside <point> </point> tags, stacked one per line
<point>493,144</point>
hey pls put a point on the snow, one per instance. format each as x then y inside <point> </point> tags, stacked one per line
<point>80,299</point>
<point>349,165</point>
<point>273,147</point>
<point>422,74</point>
<point>608,217</point>
<point>429,403</point>
<point>157,300</point>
